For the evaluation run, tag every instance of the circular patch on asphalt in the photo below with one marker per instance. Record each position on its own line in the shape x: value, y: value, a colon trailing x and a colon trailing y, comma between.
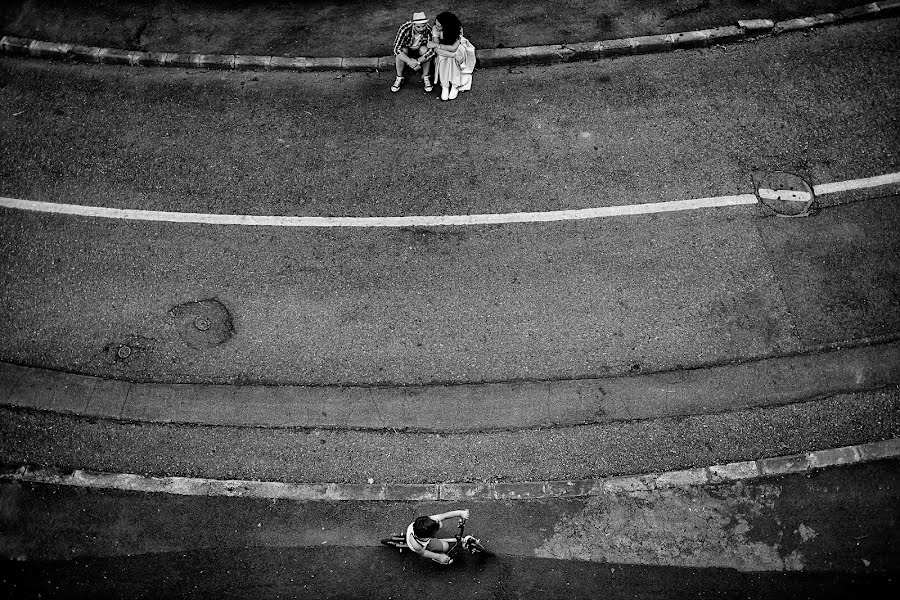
x: 203, y: 324
x: 788, y: 195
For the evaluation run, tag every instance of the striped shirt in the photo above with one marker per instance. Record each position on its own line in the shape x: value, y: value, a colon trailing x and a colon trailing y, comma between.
x: 406, y: 38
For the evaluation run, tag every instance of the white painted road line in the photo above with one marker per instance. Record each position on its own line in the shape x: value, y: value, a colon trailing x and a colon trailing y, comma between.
x: 788, y: 195
x: 855, y: 184
x: 413, y: 221
x: 423, y: 221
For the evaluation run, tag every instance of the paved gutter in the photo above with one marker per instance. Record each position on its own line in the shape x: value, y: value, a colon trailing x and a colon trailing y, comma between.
x: 462, y: 408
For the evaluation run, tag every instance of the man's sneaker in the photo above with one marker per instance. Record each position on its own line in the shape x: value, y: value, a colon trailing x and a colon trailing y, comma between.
x: 396, y: 86
x: 427, y: 81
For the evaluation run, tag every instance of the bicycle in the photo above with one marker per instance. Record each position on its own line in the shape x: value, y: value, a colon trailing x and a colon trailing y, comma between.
x: 462, y: 544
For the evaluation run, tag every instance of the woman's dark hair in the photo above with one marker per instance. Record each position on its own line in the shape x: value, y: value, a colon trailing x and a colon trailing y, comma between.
x: 451, y: 27
x: 425, y: 527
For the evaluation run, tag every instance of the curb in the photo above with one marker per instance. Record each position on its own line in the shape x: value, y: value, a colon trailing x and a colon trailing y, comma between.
x: 496, y: 57
x: 446, y: 492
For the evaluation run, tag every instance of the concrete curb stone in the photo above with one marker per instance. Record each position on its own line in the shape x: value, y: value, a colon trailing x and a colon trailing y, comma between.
x: 138, y: 58
x: 628, y: 484
x: 613, y: 48
x: 783, y: 465
x: 747, y: 469
x: 15, y: 45
x: 456, y: 492
x: 155, y: 59
x: 805, y: 23
x: 756, y: 26
x: 360, y: 63
x: 836, y: 456
x: 114, y: 56
x: 500, y: 57
x: 684, y: 478
x: 184, y: 60
x: 280, y: 63
x: 583, y: 50
x: 521, y: 491
x: 86, y: 53
x: 159, y: 59
x: 879, y: 450
x: 547, y: 54
x: 496, y: 57
x: 386, y: 63
x: 650, y: 44
x: 49, y: 49
x: 216, y: 61
x: 333, y: 63
x: 689, y: 39
x: 861, y: 11
x: 251, y: 62
x: 573, y: 489
x: 724, y: 35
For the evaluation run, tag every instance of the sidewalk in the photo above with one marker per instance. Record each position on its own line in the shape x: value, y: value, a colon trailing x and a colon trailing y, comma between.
x: 359, y: 35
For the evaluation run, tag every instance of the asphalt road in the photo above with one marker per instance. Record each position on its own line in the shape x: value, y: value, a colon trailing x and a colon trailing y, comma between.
x: 421, y: 305
x: 633, y: 129
x: 496, y: 303
x: 825, y: 535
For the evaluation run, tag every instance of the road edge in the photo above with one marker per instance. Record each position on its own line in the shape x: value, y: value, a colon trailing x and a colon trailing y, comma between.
x: 462, y: 491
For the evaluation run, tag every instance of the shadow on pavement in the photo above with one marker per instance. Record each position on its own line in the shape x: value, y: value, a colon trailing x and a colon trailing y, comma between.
x: 129, y: 545
x: 381, y: 573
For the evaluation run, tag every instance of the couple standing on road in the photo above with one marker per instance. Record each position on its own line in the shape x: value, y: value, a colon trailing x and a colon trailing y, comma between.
x: 419, y: 43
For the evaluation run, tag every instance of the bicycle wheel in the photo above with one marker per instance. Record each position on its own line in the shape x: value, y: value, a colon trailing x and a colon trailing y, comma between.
x: 394, y: 542
x: 477, y: 547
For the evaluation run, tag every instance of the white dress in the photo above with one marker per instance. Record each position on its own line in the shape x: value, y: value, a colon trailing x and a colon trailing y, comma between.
x: 457, y: 70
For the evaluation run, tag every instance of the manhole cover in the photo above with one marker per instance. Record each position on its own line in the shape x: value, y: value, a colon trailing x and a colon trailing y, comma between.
x: 788, y: 195
x: 124, y: 352
x: 203, y: 324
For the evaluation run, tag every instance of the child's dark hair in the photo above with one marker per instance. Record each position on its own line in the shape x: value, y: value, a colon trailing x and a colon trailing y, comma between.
x: 452, y: 28
x: 425, y: 527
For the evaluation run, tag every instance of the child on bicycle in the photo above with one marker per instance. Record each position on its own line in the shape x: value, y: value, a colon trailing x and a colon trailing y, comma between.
x: 420, y: 536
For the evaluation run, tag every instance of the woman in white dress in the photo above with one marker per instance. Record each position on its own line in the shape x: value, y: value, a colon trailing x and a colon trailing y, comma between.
x: 455, y: 59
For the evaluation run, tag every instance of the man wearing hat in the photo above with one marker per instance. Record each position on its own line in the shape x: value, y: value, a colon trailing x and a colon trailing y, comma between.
x: 411, y: 50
